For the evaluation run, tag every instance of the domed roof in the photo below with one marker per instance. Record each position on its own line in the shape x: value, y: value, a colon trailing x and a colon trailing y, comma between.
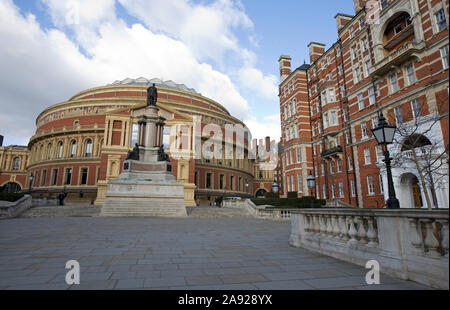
x: 157, y: 82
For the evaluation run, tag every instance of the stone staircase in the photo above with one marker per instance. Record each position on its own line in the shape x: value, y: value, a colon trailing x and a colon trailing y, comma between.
x: 216, y: 212
x: 94, y: 211
x: 63, y: 211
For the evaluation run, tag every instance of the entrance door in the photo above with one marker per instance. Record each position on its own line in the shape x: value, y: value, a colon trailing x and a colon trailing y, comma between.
x: 416, y: 194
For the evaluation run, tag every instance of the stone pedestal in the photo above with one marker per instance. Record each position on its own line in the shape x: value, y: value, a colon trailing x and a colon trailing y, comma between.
x: 146, y: 187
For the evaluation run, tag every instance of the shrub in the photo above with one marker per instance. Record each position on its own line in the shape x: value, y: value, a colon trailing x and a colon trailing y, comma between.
x: 303, y: 202
x: 271, y: 195
x: 292, y: 195
x: 11, y: 196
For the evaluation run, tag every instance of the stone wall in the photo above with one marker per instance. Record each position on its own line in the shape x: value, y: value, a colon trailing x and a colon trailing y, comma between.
x: 13, y: 209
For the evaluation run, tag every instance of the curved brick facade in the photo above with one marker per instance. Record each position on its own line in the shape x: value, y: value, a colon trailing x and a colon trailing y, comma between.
x: 80, y: 144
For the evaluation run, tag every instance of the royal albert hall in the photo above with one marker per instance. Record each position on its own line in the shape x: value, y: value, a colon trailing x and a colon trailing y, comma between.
x: 80, y: 144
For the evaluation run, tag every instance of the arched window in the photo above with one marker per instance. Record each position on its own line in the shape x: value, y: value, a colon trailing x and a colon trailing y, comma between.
x: 415, y: 141
x: 49, y: 151
x: 73, y: 148
x: 88, y: 148
x: 16, y: 163
x: 60, y: 149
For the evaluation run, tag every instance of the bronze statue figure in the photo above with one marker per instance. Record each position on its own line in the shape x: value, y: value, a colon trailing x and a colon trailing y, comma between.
x: 134, y: 154
x: 162, y: 156
x: 152, y: 95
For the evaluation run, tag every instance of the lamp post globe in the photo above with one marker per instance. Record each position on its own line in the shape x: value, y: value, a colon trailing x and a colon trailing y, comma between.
x: 384, y: 134
x: 275, y: 187
x: 310, y: 180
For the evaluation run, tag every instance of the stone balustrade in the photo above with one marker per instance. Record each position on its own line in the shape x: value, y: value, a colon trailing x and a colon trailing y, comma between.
x: 409, y: 244
x: 262, y: 212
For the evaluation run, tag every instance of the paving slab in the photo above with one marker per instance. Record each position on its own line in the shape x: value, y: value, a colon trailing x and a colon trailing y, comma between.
x: 182, y: 254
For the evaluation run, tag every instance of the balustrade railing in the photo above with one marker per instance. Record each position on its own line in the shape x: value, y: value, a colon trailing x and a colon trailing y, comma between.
x: 412, y: 244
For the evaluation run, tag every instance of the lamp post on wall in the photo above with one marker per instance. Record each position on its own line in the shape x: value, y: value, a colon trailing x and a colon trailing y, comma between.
x: 384, y: 134
x: 31, y: 178
x: 310, y: 181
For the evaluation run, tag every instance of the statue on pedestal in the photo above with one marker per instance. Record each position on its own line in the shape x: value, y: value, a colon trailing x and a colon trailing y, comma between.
x: 134, y: 154
x: 152, y: 95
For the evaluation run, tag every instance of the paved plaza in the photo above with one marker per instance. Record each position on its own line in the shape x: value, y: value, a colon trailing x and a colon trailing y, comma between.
x: 179, y: 254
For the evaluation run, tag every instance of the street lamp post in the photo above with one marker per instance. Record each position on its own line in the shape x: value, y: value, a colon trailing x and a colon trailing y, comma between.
x: 384, y: 134
x: 311, y: 180
x: 30, y: 178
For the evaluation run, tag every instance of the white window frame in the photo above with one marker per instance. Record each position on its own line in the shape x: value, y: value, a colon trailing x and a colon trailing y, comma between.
x: 367, y: 159
x: 441, y: 13
x: 393, y: 81
x: 299, y: 183
x: 364, y: 133
x: 398, y: 115
x: 410, y: 74
x: 332, y: 95
x: 360, y: 101
x: 334, y: 120
x: 367, y: 66
x: 372, y: 97
x: 415, y: 106
x: 370, y: 185
x: 445, y: 57
x: 380, y: 179
x: 341, y: 189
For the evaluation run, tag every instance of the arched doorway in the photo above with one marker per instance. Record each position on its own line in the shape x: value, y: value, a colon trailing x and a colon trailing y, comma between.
x: 10, y: 187
x: 260, y: 193
x: 410, y: 191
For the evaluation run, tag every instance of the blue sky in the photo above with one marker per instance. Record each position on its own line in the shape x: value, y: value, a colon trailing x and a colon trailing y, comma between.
x: 226, y: 49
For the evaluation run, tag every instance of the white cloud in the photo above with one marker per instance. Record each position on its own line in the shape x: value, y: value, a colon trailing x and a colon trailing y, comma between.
x: 41, y: 68
x: 206, y: 29
x: 264, y: 86
x: 268, y: 127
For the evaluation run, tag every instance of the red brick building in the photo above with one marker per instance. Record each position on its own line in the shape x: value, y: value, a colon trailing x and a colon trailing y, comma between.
x: 391, y: 60
x: 13, y: 167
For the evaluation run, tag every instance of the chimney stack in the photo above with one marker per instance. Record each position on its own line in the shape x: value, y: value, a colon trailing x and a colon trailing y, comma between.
x: 342, y: 20
x: 315, y: 51
x: 285, y: 67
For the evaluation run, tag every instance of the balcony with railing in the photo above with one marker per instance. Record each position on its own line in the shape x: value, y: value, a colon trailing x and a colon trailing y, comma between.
x: 399, y: 44
x: 397, y: 57
x: 332, y: 152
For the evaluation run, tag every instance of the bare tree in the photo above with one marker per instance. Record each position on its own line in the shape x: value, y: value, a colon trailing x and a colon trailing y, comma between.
x: 422, y: 144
